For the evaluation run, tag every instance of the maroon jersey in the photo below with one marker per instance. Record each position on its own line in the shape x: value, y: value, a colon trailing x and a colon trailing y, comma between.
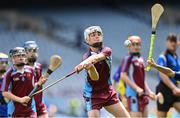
x: 40, y: 105
x: 103, y: 68
x: 21, y: 85
x: 100, y: 93
x: 134, y: 67
x: 38, y: 71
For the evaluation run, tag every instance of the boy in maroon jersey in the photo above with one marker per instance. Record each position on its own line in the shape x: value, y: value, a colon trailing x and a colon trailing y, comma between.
x: 31, y: 49
x: 98, y: 91
x: 133, y: 73
x: 21, y: 80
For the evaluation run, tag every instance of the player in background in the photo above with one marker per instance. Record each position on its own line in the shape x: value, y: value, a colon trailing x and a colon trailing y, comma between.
x: 168, y: 86
x: 21, y: 80
x: 98, y: 90
x: 3, y: 69
x: 31, y: 49
x: 133, y: 73
x: 119, y: 85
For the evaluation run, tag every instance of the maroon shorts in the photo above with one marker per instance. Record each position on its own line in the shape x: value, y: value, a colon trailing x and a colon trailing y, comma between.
x: 101, y: 98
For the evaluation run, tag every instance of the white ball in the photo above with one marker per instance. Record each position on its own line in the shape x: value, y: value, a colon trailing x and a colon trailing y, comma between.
x: 127, y: 43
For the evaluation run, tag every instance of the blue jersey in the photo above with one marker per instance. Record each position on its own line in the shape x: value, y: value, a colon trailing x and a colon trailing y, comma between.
x: 3, y: 105
x: 168, y: 60
x: 116, y: 76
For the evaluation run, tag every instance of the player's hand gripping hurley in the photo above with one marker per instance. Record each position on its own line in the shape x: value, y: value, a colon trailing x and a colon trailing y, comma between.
x: 55, y: 62
x: 156, y: 12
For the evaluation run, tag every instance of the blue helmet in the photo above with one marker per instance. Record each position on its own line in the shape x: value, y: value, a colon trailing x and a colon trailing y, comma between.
x: 30, y: 45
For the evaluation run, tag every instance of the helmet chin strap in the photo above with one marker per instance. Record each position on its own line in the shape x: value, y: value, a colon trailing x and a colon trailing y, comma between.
x: 2, y: 71
x: 20, y: 64
x: 32, y: 60
x: 136, y: 54
x: 96, y: 45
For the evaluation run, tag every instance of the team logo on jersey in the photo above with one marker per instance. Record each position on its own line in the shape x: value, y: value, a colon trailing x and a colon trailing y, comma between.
x: 16, y: 79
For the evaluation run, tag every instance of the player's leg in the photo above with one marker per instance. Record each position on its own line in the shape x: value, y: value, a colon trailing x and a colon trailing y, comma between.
x: 118, y: 110
x: 135, y: 114
x: 40, y: 106
x: 177, y: 106
x: 133, y: 106
x: 114, y: 106
x: 161, y: 114
x: 43, y: 116
x: 145, y: 112
x: 94, y: 113
x: 162, y: 109
x: 93, y: 106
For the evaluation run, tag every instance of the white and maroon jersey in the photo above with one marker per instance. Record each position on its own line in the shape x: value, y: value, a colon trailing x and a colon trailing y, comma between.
x: 22, y: 83
x: 134, y: 67
x: 40, y: 105
x: 103, y: 68
x: 38, y: 71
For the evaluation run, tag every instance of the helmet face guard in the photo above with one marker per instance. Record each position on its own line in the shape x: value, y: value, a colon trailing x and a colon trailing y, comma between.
x: 15, y: 52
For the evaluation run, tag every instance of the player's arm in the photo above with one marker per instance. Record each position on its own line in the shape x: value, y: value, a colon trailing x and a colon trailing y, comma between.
x: 88, y: 64
x: 125, y: 78
x: 166, y: 79
x: 168, y: 82
x: 7, y: 94
x: 162, y: 69
x: 149, y: 92
x: 93, y: 59
x: 15, y: 98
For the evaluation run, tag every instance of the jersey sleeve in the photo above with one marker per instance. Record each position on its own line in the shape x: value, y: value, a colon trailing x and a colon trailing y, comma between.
x: 125, y: 64
x: 162, y: 60
x: 106, y: 51
x: 85, y: 56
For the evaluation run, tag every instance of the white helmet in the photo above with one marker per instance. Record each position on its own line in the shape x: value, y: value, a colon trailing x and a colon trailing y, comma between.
x: 90, y: 30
